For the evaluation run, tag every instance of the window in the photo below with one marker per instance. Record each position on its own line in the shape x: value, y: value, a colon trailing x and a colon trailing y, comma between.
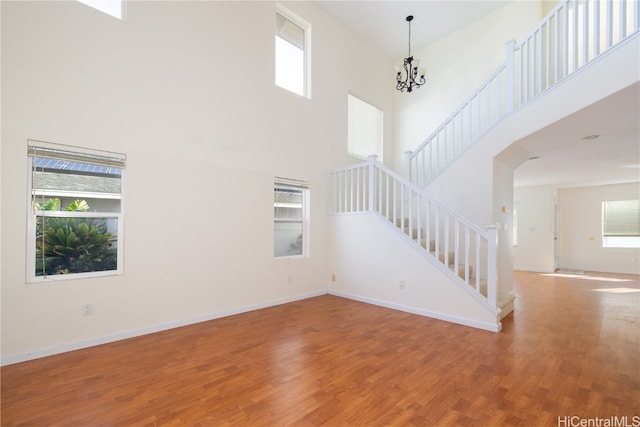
x: 75, y: 213
x: 621, y: 224
x: 365, y: 129
x: 290, y: 213
x: 114, y: 8
x: 291, y: 53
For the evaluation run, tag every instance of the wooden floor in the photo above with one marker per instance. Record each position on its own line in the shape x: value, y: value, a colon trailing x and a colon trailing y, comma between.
x: 571, y: 349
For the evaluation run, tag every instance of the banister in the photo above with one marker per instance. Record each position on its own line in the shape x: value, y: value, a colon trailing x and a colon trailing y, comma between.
x: 433, y: 228
x: 550, y: 52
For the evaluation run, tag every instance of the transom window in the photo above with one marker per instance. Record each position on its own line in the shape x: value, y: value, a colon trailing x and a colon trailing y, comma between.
x: 75, y: 213
x: 291, y: 38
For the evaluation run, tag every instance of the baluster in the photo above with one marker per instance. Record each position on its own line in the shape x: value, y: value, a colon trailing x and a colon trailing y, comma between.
x: 410, y: 209
x: 446, y: 239
x: 574, y: 47
x: 477, y: 248
x: 547, y: 54
x: 456, y: 247
x: 387, y: 196
x: 609, y: 24
x: 372, y: 171
x: 427, y: 224
x: 596, y: 28
x: 539, y: 62
x: 585, y: 32
x: 419, y: 220
x: 492, y: 274
x: 466, y: 254
x: 622, y: 12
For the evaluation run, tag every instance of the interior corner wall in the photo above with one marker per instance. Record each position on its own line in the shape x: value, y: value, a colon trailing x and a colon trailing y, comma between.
x: 188, y: 95
x: 456, y: 65
x: 580, y: 230
x: 535, y: 246
x: 370, y: 261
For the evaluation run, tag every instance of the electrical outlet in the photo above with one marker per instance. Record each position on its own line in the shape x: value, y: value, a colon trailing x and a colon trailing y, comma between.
x: 87, y: 309
x: 333, y: 277
x: 401, y: 283
x: 289, y: 279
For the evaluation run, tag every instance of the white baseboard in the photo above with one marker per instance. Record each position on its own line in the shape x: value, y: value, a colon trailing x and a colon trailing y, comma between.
x: 78, y: 345
x: 487, y: 326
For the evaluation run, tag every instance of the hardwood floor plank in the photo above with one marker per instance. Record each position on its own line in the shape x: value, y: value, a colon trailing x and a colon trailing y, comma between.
x: 571, y: 348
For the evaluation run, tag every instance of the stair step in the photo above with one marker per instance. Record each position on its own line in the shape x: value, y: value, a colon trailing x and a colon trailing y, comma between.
x: 413, y: 233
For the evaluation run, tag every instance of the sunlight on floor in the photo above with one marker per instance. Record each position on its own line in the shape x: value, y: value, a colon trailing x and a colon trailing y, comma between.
x: 618, y: 290
x: 586, y: 277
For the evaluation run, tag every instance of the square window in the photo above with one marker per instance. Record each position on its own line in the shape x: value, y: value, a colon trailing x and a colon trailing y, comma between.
x: 75, y: 217
x: 621, y: 224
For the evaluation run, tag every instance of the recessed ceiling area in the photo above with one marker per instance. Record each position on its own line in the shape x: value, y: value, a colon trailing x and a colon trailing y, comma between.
x: 597, y: 145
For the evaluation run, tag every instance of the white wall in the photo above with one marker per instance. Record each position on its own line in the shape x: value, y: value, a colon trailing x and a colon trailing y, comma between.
x: 580, y: 230
x: 186, y: 90
x: 456, y: 65
x: 368, y: 260
x: 534, y: 251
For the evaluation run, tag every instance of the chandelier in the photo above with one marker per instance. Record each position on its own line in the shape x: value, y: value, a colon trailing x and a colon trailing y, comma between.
x: 409, y: 77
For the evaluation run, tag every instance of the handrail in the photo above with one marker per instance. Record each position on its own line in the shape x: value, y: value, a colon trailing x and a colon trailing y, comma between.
x: 467, y: 124
x: 462, y: 250
x: 573, y: 34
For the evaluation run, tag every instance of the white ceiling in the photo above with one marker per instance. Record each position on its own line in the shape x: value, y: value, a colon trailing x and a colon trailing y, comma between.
x: 384, y: 25
x: 565, y: 159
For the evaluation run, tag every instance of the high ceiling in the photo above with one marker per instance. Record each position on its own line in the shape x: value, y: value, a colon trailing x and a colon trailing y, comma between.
x: 384, y: 25
x: 565, y: 159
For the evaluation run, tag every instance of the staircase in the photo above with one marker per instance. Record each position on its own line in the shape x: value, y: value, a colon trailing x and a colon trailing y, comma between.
x: 570, y: 37
x: 459, y: 249
x: 573, y: 35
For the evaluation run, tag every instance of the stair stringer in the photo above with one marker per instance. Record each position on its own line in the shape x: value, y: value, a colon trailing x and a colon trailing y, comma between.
x: 369, y: 260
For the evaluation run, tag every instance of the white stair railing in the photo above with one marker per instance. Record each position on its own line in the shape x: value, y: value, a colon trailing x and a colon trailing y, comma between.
x: 575, y: 33
x: 464, y: 251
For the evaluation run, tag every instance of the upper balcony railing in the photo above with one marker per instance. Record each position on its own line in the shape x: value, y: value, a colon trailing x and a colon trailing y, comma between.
x: 572, y: 35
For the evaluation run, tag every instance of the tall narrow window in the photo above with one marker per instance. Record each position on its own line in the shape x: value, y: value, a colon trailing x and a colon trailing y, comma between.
x: 365, y: 128
x: 621, y: 224
x: 75, y: 216
x: 290, y: 213
x: 291, y: 54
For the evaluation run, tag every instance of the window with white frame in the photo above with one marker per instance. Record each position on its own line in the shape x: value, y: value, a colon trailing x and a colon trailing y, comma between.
x: 621, y: 224
x: 291, y: 218
x: 365, y: 124
x: 75, y: 213
x: 114, y: 8
x: 292, y: 53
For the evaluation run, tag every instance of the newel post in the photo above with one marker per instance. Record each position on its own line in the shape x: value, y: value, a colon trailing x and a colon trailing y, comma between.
x: 510, y: 48
x: 372, y: 181
x: 407, y: 165
x: 492, y: 264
